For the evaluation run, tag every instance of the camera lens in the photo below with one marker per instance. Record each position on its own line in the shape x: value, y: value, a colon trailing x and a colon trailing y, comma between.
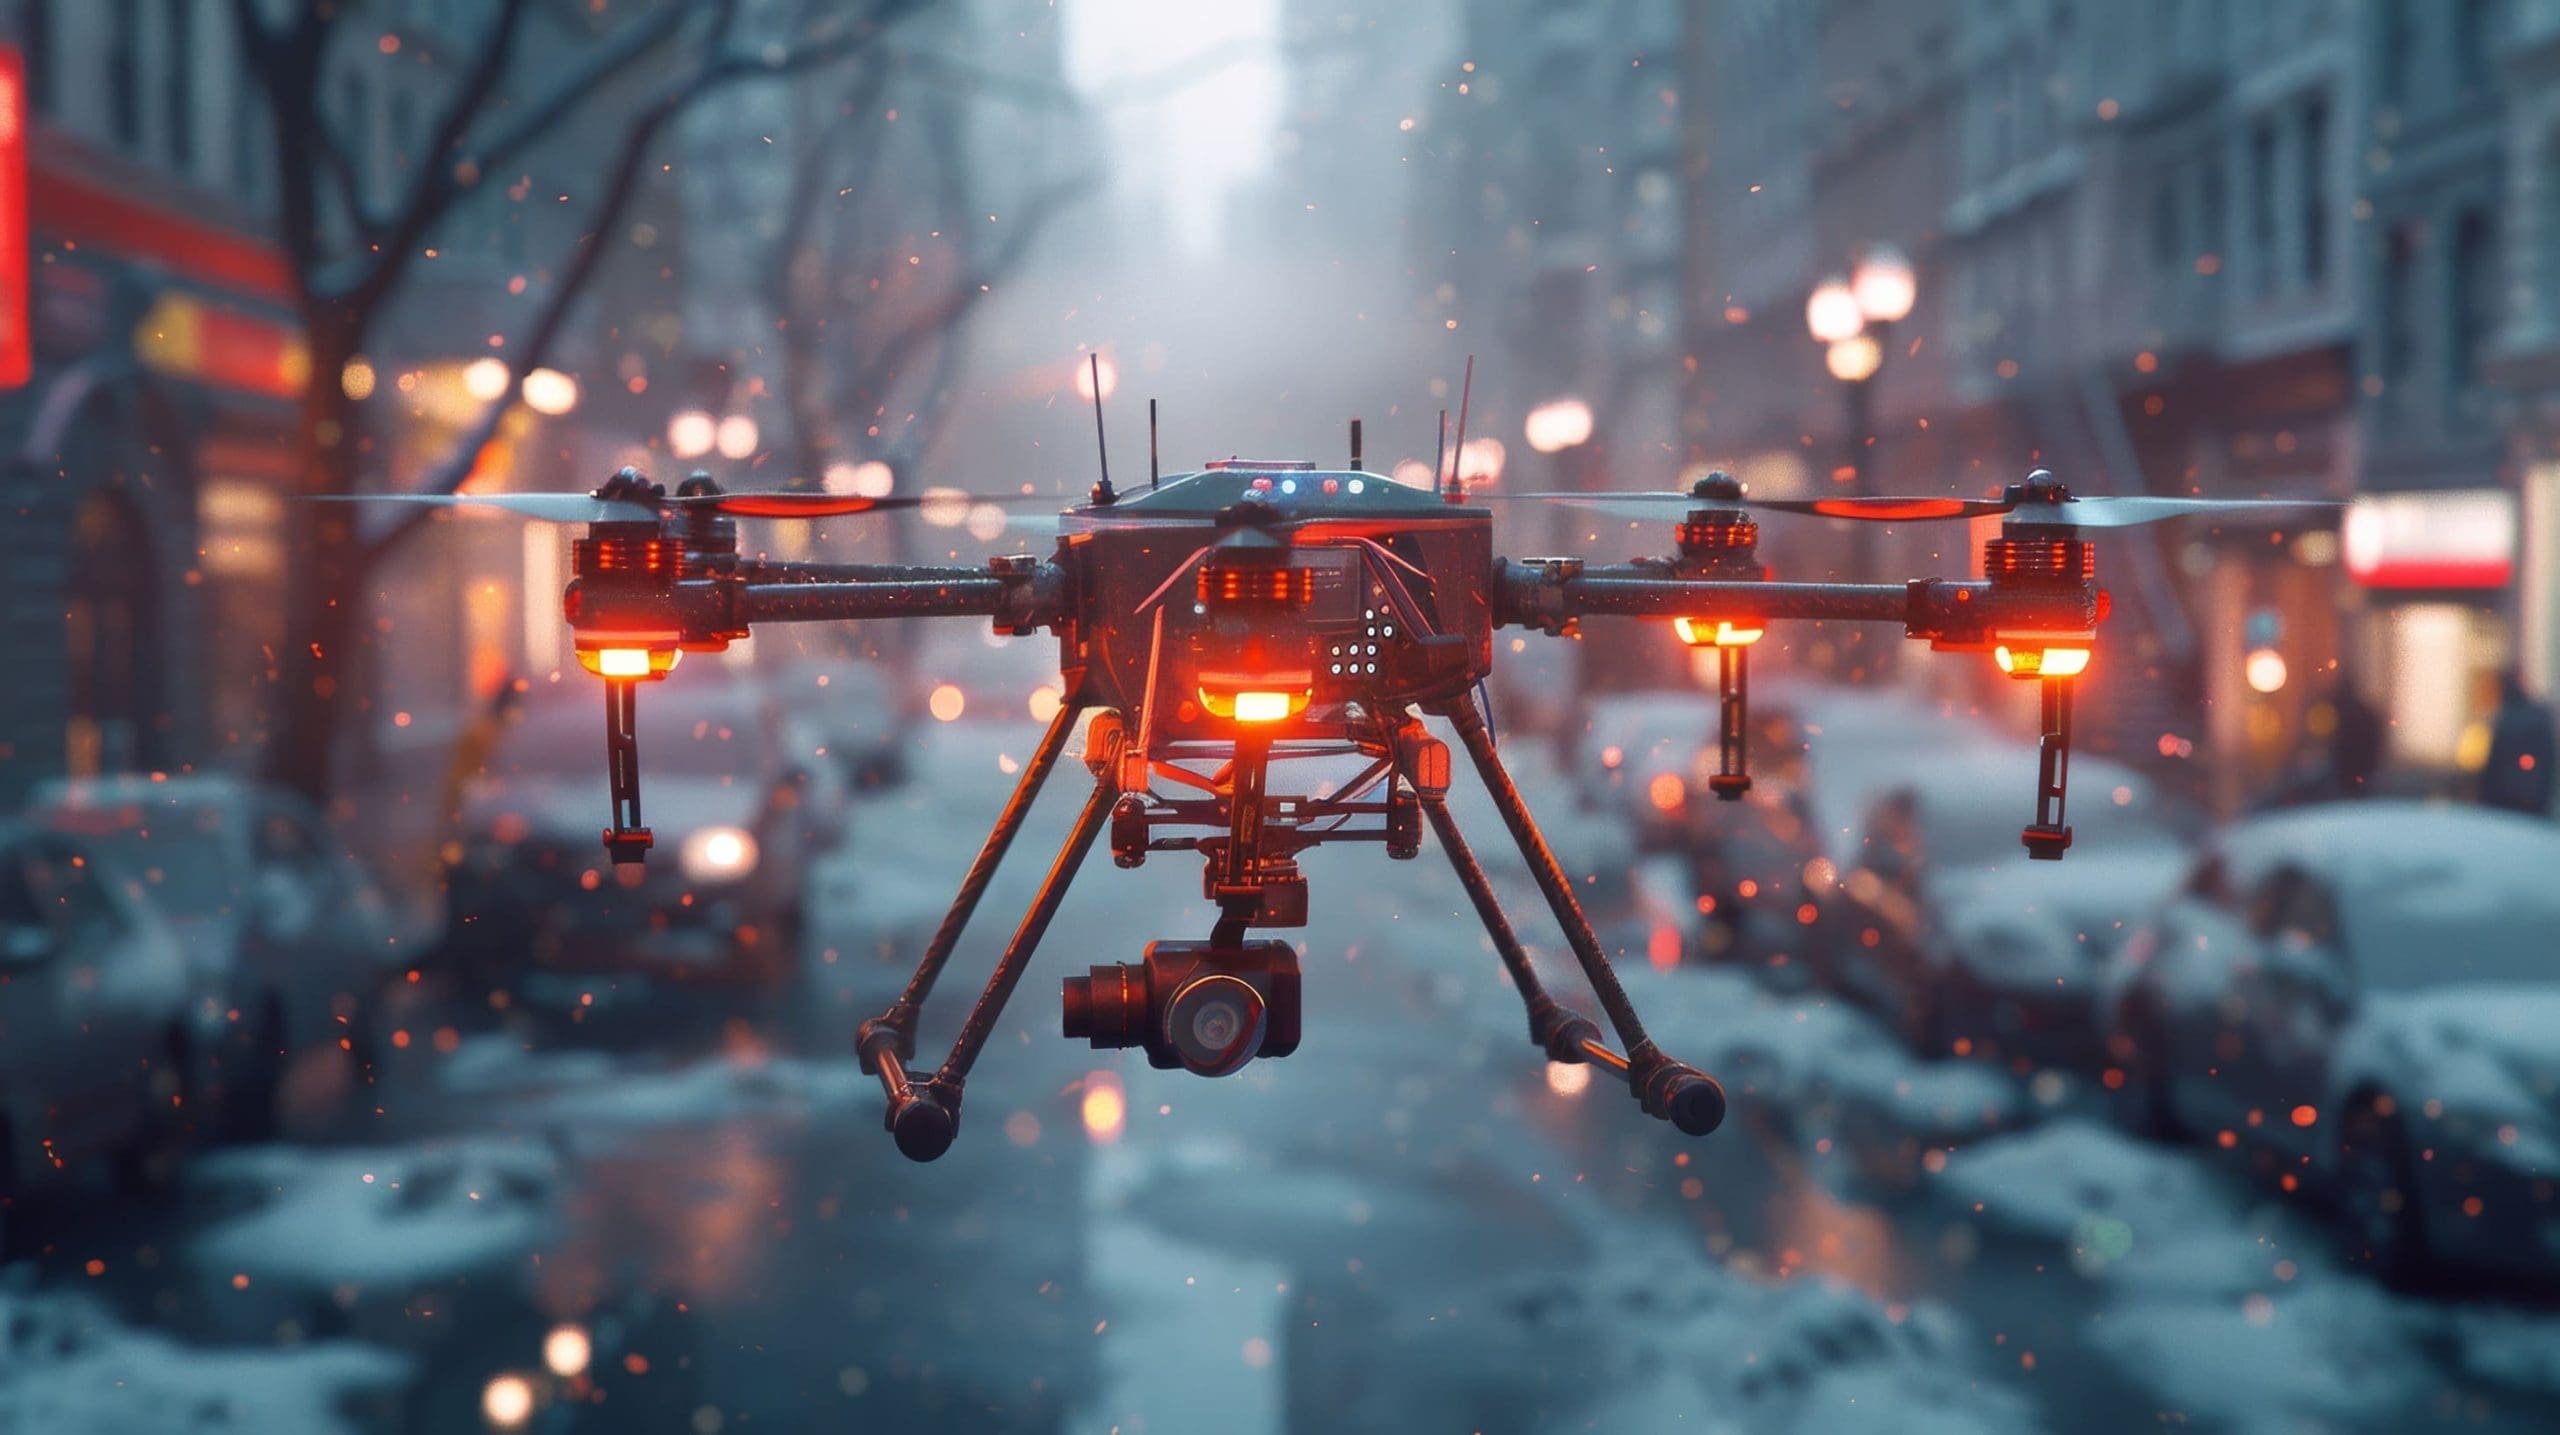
x: 1215, y: 1024
x: 1106, y: 1008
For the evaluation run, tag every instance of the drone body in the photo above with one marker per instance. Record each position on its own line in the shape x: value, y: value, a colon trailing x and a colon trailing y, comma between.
x: 1216, y: 627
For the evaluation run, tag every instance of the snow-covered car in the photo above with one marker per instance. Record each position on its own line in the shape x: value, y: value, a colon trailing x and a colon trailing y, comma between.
x: 1761, y: 882
x: 1978, y: 949
x: 101, y: 1021
x: 2365, y: 999
x: 1635, y: 759
x: 268, y: 903
x: 740, y: 806
x: 852, y: 705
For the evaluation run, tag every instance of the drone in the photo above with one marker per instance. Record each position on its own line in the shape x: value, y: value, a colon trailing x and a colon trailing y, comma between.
x: 1220, y: 627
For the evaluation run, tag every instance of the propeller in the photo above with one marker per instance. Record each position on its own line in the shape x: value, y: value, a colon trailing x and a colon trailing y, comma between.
x: 2039, y: 500
x: 1875, y: 509
x: 626, y: 505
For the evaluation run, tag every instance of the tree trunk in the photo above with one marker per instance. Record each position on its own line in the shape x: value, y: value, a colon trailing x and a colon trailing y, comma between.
x: 324, y: 603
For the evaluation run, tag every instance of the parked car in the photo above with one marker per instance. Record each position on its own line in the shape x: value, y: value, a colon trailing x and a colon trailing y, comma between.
x: 1635, y: 759
x: 268, y: 904
x: 740, y: 805
x: 100, y: 1021
x: 852, y: 704
x: 2365, y: 999
x: 1976, y: 949
x: 1761, y: 881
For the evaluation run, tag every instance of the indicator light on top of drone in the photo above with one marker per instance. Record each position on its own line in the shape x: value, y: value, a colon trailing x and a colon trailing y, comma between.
x: 1721, y: 633
x: 2041, y: 662
x: 640, y: 664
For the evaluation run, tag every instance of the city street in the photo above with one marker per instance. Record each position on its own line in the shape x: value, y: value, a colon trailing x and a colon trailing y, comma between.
x: 1404, y: 1225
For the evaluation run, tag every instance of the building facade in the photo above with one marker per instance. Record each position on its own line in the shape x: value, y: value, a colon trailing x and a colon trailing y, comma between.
x: 2222, y: 247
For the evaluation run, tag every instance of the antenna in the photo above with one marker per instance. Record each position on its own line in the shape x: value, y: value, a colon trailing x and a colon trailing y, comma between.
x: 1456, y: 492
x: 1440, y: 455
x: 1355, y: 445
x: 1154, y: 474
x: 1102, y: 492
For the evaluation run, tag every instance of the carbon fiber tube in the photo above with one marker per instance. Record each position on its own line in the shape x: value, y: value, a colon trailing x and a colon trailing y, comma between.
x: 981, y: 596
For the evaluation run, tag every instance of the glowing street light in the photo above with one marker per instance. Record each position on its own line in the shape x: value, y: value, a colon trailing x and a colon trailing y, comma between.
x: 550, y: 392
x: 1884, y: 286
x: 1855, y: 359
x: 485, y: 379
x: 873, y: 479
x: 691, y: 433
x: 1557, y: 425
x: 737, y: 436
x: 1085, y: 371
x: 1831, y: 313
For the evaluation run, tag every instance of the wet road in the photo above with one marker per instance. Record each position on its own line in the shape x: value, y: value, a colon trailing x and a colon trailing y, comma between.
x: 1405, y: 1225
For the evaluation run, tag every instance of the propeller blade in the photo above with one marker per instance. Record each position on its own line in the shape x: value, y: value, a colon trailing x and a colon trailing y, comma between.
x: 804, y: 504
x: 1887, y: 508
x: 2138, y: 509
x: 1871, y: 508
x: 548, y: 507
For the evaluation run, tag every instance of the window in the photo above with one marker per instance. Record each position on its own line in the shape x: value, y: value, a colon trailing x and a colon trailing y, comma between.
x: 248, y: 140
x: 2473, y: 34
x: 2315, y: 192
x: 2393, y: 44
x: 2212, y: 238
x: 180, y: 30
x: 2265, y: 261
x: 124, y: 71
x: 35, y: 40
x: 2475, y: 294
x: 2398, y: 344
x: 2164, y: 225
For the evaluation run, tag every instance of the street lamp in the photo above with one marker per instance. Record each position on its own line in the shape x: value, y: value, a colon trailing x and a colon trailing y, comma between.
x: 1884, y: 285
x: 691, y: 433
x: 1851, y: 317
x: 1832, y: 313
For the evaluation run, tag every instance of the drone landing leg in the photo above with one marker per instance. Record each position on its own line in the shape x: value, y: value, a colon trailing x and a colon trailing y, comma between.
x: 1559, y: 1029
x: 924, y: 1117
x: 1670, y: 1090
x: 886, y: 1042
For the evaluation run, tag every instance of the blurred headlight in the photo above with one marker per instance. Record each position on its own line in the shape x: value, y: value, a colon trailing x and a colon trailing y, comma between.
x: 718, y: 854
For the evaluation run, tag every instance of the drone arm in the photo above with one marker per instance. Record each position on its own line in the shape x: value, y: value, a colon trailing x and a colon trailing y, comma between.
x: 759, y: 571
x: 1670, y: 1090
x: 885, y: 1042
x: 976, y: 596
x: 1549, y: 593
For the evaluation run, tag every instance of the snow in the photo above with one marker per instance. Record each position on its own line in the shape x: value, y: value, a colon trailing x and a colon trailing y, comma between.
x: 371, y: 1219
x: 2429, y: 893
x: 2231, y: 1310
x: 1703, y: 1348
x: 720, y: 1091
x: 1817, y: 1062
x: 2489, y: 1053
x: 68, y: 1365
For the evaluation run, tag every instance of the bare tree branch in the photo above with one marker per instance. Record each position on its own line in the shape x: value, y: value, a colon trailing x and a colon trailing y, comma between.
x: 621, y: 184
x: 436, y: 185
x: 789, y: 268
x: 901, y: 347
x: 342, y: 177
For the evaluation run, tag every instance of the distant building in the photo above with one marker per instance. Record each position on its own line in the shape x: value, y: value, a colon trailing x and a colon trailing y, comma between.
x: 147, y: 455
x: 2227, y: 247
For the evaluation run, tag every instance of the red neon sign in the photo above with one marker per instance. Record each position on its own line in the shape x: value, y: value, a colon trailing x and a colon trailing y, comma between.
x: 17, y: 345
